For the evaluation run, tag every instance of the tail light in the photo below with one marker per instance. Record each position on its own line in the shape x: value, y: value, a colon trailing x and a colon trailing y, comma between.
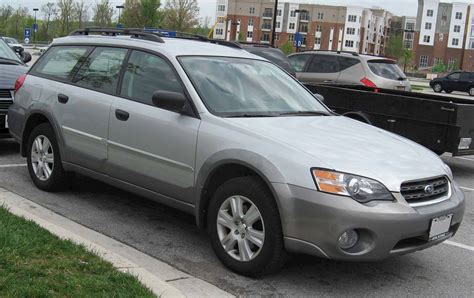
x: 368, y: 83
x: 19, y: 82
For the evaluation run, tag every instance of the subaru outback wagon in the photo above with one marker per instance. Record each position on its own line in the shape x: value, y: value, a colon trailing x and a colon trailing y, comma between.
x: 233, y: 139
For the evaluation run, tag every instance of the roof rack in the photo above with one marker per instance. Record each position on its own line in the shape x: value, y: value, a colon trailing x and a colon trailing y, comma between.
x: 152, y: 35
x: 133, y: 32
x: 256, y: 44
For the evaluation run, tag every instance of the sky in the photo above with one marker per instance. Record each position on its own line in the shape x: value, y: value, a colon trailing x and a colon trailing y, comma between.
x: 208, y: 7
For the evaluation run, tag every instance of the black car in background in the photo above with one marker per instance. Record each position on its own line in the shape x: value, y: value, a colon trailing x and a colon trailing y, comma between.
x: 456, y: 81
x: 270, y: 53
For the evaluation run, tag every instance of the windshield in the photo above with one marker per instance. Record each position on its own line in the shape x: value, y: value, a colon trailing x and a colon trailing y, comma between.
x: 7, y: 52
x: 10, y: 40
x: 233, y: 87
x: 387, y: 69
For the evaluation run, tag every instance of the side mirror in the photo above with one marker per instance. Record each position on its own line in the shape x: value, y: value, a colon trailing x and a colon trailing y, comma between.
x: 174, y: 101
x: 25, y: 57
x: 319, y: 96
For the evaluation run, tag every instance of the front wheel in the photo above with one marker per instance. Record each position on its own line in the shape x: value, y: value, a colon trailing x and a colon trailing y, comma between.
x: 245, y: 228
x: 471, y: 91
x: 43, y: 159
x: 437, y: 88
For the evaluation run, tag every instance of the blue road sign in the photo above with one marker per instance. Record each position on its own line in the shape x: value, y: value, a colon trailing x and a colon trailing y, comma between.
x: 27, y: 32
x: 298, y: 40
x: 119, y: 26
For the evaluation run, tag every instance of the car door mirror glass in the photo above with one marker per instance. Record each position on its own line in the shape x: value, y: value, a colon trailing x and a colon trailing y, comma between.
x: 174, y: 101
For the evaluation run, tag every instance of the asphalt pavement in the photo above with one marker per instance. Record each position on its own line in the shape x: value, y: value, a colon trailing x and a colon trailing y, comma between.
x: 171, y: 236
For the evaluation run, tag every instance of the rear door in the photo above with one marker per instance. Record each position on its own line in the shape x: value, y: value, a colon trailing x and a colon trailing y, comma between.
x: 321, y: 69
x: 83, y: 107
x: 465, y: 81
x: 351, y: 71
x: 151, y: 147
x: 452, y: 82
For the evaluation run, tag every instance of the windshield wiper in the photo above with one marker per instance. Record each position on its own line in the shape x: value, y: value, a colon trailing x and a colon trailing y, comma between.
x: 3, y: 59
x: 251, y: 115
x: 305, y: 113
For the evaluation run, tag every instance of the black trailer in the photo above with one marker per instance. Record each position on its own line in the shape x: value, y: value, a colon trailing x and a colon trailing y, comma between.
x: 442, y: 124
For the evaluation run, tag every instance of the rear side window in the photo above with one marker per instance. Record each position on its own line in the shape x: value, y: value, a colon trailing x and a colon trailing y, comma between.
x: 60, y: 61
x: 323, y: 64
x: 101, y: 70
x: 465, y: 76
x: 454, y: 76
x: 386, y: 69
x: 345, y: 63
x: 145, y: 74
x: 299, y: 62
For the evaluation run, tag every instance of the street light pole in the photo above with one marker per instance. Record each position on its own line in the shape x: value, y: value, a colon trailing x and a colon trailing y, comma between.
x: 35, y: 26
x: 275, y: 10
x: 119, y: 7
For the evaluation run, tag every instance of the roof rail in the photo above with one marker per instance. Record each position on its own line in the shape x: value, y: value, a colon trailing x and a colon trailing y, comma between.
x: 133, y: 32
x: 185, y: 35
x: 256, y: 44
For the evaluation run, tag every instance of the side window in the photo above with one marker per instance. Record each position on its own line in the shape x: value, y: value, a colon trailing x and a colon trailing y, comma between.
x: 299, y: 62
x: 101, y: 69
x: 145, y: 74
x: 454, y: 76
x: 60, y: 61
x: 465, y: 76
x: 345, y: 63
x: 323, y: 64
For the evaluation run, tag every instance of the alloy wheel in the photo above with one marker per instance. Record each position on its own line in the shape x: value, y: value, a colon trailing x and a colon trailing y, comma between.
x: 240, y: 228
x: 437, y: 88
x: 42, y: 157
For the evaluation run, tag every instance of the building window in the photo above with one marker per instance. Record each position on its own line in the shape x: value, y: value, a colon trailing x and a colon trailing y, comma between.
x: 221, y: 7
x: 221, y: 20
x: 320, y: 15
x: 304, y: 28
x: 352, y: 18
x: 277, y: 37
x: 292, y: 14
x: 292, y: 26
x: 428, y: 26
x: 219, y: 31
x: 267, y: 25
x: 457, y: 28
x: 250, y: 34
x: 252, y: 10
x: 268, y: 13
x: 318, y: 28
x: 410, y: 26
x: 458, y: 15
x: 278, y: 24
x: 438, y: 61
x: 279, y: 12
x: 426, y: 38
x: 429, y: 13
x: 266, y: 37
x: 349, y: 44
x: 455, y: 42
x: 317, y: 40
x: 451, y: 64
x: 350, y: 31
x: 250, y: 22
x: 291, y: 38
x: 423, y: 61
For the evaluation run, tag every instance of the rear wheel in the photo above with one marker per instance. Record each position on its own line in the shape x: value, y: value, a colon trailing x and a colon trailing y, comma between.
x: 244, y: 227
x: 437, y: 88
x: 471, y: 91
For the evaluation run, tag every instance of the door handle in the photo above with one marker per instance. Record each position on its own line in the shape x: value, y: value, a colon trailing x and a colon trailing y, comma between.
x: 121, y: 115
x: 63, y: 98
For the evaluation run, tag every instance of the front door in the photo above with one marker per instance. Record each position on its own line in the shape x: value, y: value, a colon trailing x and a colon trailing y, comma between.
x: 151, y: 147
x: 321, y: 69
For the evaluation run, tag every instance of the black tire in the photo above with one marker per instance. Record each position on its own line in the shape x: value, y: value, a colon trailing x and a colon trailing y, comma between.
x: 272, y: 254
x: 58, y: 179
x: 437, y: 87
x: 471, y: 91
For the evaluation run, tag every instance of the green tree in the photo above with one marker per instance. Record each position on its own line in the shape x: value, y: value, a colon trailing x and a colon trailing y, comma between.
x: 406, y: 58
x: 103, y: 13
x: 49, y: 11
x: 181, y: 15
x: 65, y: 15
x: 395, y: 47
x: 287, y: 48
x: 81, y: 13
x: 439, y: 68
x: 150, y: 13
x: 132, y: 14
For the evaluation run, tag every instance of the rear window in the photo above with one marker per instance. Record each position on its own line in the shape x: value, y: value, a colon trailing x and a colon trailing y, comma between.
x: 386, y: 69
x: 323, y: 64
x: 60, y: 61
x: 299, y: 61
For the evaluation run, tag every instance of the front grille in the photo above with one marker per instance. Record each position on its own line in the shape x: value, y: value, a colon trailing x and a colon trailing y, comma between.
x: 425, y: 192
x: 5, y: 93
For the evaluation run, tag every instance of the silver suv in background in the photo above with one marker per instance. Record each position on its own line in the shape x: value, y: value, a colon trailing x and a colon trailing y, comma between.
x: 233, y: 139
x: 349, y: 68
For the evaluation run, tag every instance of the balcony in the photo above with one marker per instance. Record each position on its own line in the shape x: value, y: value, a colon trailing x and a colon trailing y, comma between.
x: 267, y: 26
x: 267, y: 15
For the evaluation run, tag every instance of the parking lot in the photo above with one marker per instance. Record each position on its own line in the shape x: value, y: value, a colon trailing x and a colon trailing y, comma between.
x: 171, y: 236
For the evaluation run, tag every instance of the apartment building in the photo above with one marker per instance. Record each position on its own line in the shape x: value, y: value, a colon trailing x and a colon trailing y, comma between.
x: 322, y: 27
x: 444, y: 35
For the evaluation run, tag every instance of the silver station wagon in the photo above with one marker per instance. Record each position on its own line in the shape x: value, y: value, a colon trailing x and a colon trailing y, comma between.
x: 206, y: 127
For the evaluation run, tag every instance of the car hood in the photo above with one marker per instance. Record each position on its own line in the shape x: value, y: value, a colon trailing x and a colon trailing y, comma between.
x: 9, y: 74
x: 346, y: 145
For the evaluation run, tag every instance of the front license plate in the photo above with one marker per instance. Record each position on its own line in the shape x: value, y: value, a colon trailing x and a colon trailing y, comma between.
x: 401, y: 88
x: 440, y: 226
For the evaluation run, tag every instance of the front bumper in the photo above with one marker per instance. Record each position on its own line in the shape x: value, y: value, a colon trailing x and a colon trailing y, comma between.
x: 313, y: 221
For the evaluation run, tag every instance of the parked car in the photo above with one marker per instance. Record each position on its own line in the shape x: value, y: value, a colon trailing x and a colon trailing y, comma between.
x: 11, y: 67
x: 348, y: 68
x: 262, y: 163
x: 272, y: 54
x: 456, y: 81
x: 14, y: 44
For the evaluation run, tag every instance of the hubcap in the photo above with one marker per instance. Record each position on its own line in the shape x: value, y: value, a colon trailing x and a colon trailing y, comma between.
x: 437, y: 87
x: 42, y: 158
x: 240, y: 228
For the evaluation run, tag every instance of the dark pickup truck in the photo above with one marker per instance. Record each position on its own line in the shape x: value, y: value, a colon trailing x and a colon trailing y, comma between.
x: 442, y: 124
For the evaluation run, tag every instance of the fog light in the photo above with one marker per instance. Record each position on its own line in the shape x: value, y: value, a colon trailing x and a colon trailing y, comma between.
x: 348, y: 239
x: 465, y: 143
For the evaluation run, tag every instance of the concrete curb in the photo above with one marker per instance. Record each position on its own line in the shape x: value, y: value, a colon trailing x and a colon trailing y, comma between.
x: 161, y: 278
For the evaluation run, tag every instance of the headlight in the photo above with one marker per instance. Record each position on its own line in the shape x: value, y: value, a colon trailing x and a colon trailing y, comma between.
x: 448, y: 171
x: 359, y: 188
